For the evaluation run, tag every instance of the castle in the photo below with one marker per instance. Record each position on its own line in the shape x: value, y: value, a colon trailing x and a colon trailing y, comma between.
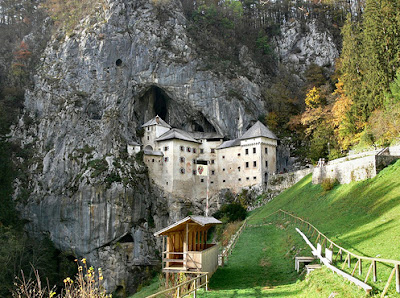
x: 173, y: 157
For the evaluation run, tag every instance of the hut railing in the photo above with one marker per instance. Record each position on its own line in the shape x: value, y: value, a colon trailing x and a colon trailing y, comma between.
x: 186, y: 287
x: 328, y: 244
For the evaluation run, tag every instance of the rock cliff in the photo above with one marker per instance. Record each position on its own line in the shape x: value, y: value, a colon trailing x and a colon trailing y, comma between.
x: 93, y: 89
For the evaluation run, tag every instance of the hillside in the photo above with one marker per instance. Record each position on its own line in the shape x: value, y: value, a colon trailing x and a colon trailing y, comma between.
x: 361, y: 217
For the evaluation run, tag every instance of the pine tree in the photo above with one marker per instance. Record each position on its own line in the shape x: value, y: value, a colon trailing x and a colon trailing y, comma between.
x: 381, y: 50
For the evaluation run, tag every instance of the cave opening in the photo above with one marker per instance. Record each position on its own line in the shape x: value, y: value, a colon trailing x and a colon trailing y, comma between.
x: 126, y: 239
x: 156, y: 101
x: 160, y: 103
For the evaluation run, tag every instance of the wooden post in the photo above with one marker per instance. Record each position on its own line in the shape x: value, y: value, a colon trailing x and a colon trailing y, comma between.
x: 345, y: 260
x: 355, y: 267
x: 360, y: 267
x: 349, y: 261
x: 397, y: 278
x: 206, y: 282
x: 369, y: 272
x: 167, y: 280
x: 388, y: 283
x: 198, y: 240
x: 185, y: 246
x: 163, y: 248
x: 374, y: 276
x: 222, y: 260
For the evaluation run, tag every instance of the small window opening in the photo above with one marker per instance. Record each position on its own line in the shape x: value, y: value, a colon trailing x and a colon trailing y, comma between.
x: 118, y: 62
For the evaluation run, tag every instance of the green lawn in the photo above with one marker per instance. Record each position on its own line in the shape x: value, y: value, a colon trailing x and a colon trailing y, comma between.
x: 363, y: 217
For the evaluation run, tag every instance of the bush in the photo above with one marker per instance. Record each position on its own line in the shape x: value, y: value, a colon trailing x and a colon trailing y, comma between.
x: 231, y: 212
x: 329, y: 183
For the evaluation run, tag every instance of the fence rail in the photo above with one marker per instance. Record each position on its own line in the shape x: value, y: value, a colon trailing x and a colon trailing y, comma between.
x: 324, y: 241
x: 186, y: 287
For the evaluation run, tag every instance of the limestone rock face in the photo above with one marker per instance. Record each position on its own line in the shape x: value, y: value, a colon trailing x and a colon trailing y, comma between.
x: 92, y: 91
x: 301, y: 44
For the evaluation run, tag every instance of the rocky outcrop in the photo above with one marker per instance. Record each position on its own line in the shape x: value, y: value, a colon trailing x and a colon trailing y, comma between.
x: 304, y: 42
x: 92, y: 91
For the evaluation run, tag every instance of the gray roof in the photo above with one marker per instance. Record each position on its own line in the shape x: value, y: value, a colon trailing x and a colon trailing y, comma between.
x: 200, y: 220
x: 156, y: 121
x: 230, y: 143
x: 206, y: 135
x: 258, y: 130
x: 151, y: 152
x: 175, y: 133
x: 133, y: 143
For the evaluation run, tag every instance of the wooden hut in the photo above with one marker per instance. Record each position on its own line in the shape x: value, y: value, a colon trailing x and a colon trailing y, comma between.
x: 185, y: 246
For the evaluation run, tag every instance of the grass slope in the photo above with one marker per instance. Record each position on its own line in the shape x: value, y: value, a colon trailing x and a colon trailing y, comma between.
x: 363, y: 217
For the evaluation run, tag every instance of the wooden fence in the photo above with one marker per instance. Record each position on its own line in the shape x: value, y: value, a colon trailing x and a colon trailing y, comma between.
x: 186, y: 287
x: 228, y: 250
x: 349, y: 256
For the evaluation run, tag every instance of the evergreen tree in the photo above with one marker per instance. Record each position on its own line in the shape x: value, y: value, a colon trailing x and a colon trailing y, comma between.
x: 381, y: 50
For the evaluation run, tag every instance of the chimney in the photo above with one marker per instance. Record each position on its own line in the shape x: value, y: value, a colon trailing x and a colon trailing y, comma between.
x: 157, y: 119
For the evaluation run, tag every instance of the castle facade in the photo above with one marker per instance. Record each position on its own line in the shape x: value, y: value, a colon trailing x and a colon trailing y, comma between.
x: 173, y: 157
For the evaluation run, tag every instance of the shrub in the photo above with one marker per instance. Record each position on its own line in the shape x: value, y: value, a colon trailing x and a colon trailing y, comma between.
x: 231, y: 212
x: 87, y: 283
x: 329, y: 183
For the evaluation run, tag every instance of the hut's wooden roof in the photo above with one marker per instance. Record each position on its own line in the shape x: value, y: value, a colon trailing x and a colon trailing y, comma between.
x: 203, y: 221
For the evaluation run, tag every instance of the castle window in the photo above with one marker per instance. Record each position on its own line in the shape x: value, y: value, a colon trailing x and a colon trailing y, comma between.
x: 152, y: 160
x: 166, y: 148
x: 254, y: 177
x: 223, y: 156
x: 194, y: 150
x: 166, y: 183
x: 182, y: 148
x: 254, y: 150
x: 202, y: 180
x: 247, y: 151
x: 223, y: 170
x: 201, y: 150
x: 212, y: 161
x: 182, y: 170
x: 223, y: 181
x: 266, y: 150
x: 194, y: 172
x: 165, y: 159
x: 148, y: 138
x: 194, y: 161
x: 266, y: 163
x: 240, y: 179
x: 239, y: 169
x: 182, y: 159
x: 247, y: 164
x: 212, y: 150
x: 212, y: 172
x: 254, y: 163
x: 247, y: 178
x: 148, y: 128
x: 188, y: 149
x: 238, y: 154
x: 212, y: 182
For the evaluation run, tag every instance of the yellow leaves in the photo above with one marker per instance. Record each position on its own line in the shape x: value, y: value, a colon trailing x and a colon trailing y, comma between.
x: 272, y: 120
x: 313, y: 98
x: 342, y: 104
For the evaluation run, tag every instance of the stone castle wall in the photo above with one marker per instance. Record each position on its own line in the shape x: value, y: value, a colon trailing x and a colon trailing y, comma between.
x: 355, y: 168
